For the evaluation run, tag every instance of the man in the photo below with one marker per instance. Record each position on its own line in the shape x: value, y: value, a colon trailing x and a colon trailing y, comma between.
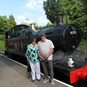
x: 45, y: 50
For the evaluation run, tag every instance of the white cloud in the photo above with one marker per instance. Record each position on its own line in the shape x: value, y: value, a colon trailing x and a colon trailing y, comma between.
x: 43, y: 20
x: 34, y: 4
x: 40, y: 1
x: 31, y: 21
x: 31, y: 4
x: 35, y: 13
x: 22, y: 19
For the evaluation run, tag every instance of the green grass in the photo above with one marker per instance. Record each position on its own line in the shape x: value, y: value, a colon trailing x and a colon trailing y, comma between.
x: 83, y: 46
x: 2, y: 46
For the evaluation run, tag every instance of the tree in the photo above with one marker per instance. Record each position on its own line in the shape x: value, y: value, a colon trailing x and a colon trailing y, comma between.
x: 51, y: 7
x: 84, y: 2
x: 4, y: 25
x: 74, y: 10
x: 71, y: 8
x: 11, y: 21
x: 82, y: 23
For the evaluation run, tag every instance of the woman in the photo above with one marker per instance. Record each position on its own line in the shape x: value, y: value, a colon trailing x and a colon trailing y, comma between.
x: 33, y: 60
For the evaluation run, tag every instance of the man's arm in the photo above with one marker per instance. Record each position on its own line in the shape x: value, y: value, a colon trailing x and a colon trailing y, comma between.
x: 49, y: 53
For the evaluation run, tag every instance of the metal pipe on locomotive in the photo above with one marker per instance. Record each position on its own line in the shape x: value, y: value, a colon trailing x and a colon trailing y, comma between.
x: 66, y: 37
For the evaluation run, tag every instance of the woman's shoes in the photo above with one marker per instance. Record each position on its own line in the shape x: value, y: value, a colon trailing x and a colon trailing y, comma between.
x: 38, y: 79
x: 33, y: 80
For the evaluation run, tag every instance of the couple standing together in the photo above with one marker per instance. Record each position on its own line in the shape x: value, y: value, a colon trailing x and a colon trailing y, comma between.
x: 40, y: 52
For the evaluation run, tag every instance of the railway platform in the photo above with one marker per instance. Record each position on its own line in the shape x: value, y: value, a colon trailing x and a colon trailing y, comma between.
x: 14, y: 74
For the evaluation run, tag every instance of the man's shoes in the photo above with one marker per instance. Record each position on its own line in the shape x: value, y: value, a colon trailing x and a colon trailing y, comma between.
x: 45, y: 80
x: 52, y: 82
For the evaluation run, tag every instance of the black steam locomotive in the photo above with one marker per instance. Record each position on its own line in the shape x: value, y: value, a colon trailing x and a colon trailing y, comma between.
x: 66, y: 37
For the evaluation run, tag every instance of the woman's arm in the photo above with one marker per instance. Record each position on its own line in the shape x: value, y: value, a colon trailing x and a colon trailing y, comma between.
x: 40, y: 55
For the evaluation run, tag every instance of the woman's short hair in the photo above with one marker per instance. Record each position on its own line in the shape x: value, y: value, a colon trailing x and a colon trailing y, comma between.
x: 34, y: 38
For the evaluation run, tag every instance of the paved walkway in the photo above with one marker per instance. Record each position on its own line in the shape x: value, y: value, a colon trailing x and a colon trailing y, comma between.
x: 11, y: 78
x: 13, y: 74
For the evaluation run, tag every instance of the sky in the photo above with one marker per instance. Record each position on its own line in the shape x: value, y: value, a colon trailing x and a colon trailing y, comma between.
x: 26, y: 11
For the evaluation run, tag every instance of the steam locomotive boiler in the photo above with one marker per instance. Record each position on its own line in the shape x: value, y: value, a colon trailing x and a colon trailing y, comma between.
x: 65, y: 37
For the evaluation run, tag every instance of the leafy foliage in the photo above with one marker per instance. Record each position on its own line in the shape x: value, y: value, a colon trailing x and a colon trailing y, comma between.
x: 3, y: 24
x: 82, y: 22
x: 84, y: 2
x: 74, y: 10
x: 11, y: 21
x: 6, y: 23
x: 51, y: 7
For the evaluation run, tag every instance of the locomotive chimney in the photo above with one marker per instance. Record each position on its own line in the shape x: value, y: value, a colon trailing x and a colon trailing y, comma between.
x: 59, y: 18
